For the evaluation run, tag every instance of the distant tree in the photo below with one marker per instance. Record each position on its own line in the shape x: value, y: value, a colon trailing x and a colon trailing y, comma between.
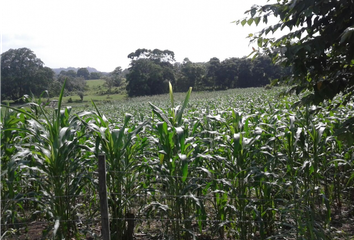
x: 230, y: 73
x: 213, y: 73
x: 227, y: 76
x: 95, y: 75
x: 54, y: 88
x: 69, y: 86
x: 245, y: 77
x: 22, y: 72
x: 83, y: 72
x: 114, y: 79
x: 109, y: 83
x: 79, y: 84
x: 192, y: 75
x: 117, y: 76
x: 42, y: 76
x: 142, y: 78
x: 264, y: 71
x: 156, y: 54
x: 81, y: 95
x: 149, y: 72
x: 319, y: 46
x: 73, y: 85
x: 69, y: 73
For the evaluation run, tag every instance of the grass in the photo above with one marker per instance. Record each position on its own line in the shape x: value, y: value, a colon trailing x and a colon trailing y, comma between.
x: 95, y: 83
x: 87, y: 99
x: 95, y: 92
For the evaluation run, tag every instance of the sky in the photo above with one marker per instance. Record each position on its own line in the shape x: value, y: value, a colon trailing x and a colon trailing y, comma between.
x: 101, y: 34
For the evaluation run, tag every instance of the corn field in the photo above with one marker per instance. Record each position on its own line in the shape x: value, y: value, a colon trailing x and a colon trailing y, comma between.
x: 236, y: 164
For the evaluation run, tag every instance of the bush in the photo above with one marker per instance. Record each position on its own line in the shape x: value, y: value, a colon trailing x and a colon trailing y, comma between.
x: 81, y: 95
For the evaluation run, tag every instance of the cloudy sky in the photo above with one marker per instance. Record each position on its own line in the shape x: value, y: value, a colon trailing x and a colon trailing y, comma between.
x: 101, y: 34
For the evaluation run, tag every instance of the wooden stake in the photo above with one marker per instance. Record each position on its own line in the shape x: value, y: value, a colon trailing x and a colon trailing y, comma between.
x: 102, y: 191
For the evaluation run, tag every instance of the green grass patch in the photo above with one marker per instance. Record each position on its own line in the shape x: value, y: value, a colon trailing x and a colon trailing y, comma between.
x: 95, y: 87
x: 96, y: 91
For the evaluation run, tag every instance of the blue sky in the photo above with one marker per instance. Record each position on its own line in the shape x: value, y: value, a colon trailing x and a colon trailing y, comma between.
x: 101, y: 34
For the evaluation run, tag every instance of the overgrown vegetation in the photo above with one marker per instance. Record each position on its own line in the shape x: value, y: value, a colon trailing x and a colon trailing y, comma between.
x: 318, y: 46
x: 232, y: 164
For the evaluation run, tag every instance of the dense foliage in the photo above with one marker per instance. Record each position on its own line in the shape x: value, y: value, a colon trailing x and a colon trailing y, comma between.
x: 83, y: 72
x: 151, y: 71
x: 23, y: 73
x: 114, y: 79
x: 319, y: 46
x: 236, y: 164
x: 74, y: 85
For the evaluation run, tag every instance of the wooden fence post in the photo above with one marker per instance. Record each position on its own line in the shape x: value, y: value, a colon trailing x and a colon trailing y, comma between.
x: 102, y: 191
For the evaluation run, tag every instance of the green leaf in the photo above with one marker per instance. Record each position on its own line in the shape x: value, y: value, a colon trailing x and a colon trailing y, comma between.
x: 257, y: 20
x: 171, y: 94
x: 160, y: 114
x: 161, y: 157
x: 184, y: 166
x: 185, y: 103
x: 253, y: 11
x: 237, y: 144
x: 61, y: 98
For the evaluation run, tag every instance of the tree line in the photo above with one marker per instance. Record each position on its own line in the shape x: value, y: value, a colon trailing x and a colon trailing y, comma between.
x: 151, y: 70
x: 148, y: 74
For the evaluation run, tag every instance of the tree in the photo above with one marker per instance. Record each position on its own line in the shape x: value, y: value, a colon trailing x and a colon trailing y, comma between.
x: 79, y: 85
x: 114, y: 79
x: 117, y: 76
x: 145, y: 78
x: 213, y: 72
x: 22, y: 73
x: 264, y: 71
x: 95, y: 75
x: 245, y: 78
x: 83, y: 72
x: 44, y: 80
x: 156, y: 54
x: 69, y: 73
x: 76, y: 85
x: 54, y: 88
x: 319, y: 47
x: 192, y: 76
x: 150, y: 72
x: 228, y: 74
x: 81, y: 95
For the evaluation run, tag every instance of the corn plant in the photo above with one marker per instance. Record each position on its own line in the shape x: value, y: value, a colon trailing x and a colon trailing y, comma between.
x: 172, y: 163
x: 12, y: 134
x: 121, y: 145
x: 236, y: 164
x: 55, y: 144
